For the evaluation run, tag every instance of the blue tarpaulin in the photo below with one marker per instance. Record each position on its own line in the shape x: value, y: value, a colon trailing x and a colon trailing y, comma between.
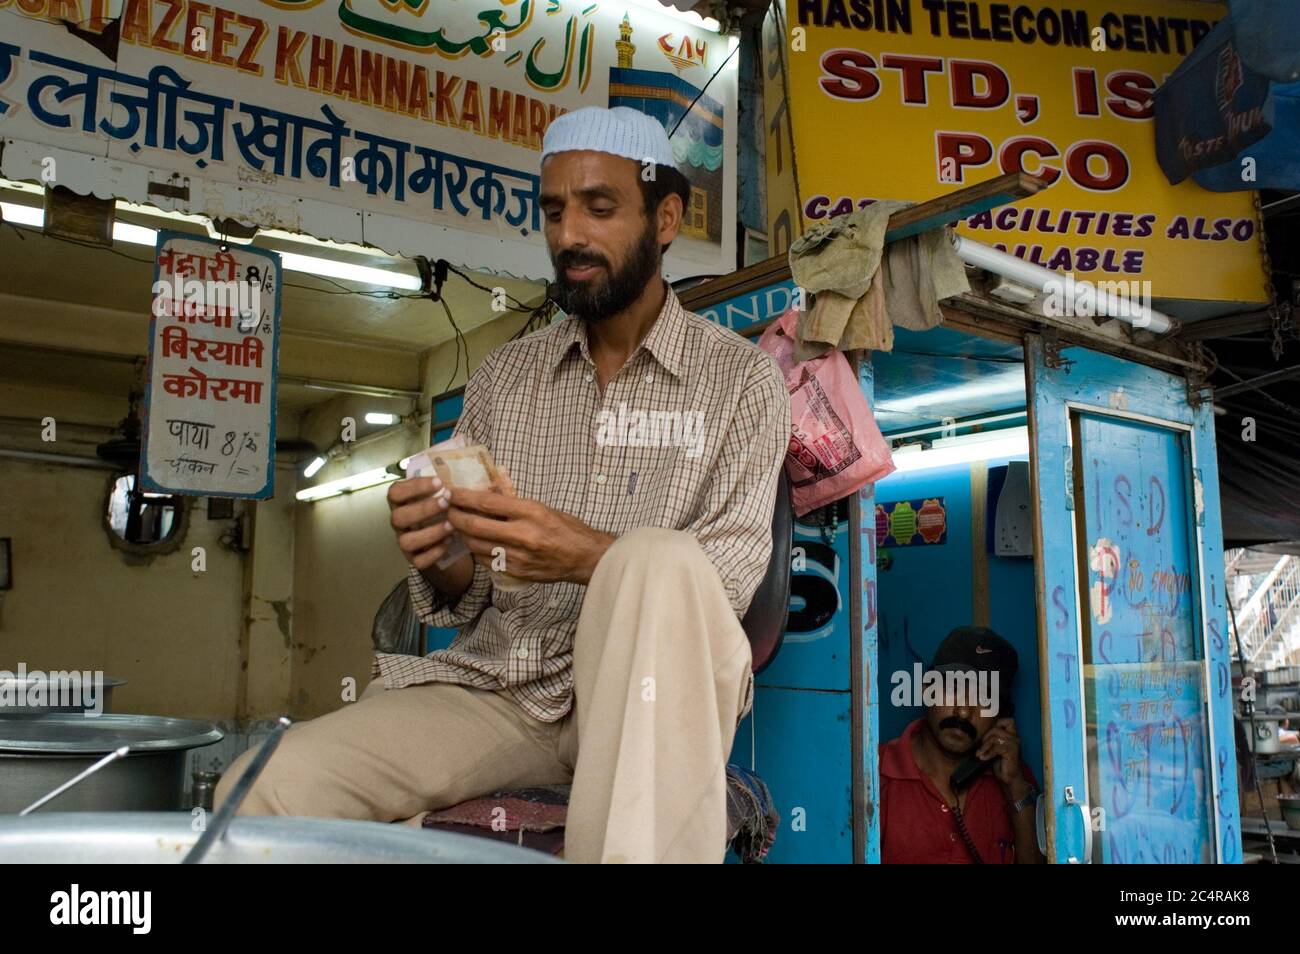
x: 1229, y: 116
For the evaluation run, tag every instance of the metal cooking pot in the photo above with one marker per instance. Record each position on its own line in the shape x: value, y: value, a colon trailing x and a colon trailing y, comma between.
x: 162, y: 838
x: 39, y: 753
x: 12, y: 687
x: 1265, y: 740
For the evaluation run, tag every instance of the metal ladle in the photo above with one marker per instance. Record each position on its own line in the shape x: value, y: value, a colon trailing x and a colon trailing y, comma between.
x: 226, y: 814
x: 110, y: 757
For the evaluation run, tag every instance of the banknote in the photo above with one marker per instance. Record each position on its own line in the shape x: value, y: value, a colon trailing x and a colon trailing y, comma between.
x: 470, y: 466
x: 421, y: 465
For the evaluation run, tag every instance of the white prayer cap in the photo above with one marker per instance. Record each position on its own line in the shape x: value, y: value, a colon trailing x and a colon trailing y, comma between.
x: 621, y: 131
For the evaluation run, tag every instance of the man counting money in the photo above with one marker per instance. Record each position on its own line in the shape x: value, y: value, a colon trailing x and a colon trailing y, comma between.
x: 621, y: 665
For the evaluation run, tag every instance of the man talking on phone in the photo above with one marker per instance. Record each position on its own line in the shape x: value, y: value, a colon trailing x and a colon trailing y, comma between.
x: 620, y: 665
x: 953, y: 789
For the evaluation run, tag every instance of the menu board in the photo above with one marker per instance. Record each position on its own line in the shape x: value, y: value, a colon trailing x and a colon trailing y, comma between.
x: 213, y: 352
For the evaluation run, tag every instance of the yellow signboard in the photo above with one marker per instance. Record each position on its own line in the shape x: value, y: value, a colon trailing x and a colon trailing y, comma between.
x: 909, y: 99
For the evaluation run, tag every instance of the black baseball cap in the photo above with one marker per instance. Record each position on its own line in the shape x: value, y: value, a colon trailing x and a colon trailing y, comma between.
x: 978, y: 649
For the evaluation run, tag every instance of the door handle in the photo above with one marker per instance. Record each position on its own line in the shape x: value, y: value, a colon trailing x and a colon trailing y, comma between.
x: 1086, y: 818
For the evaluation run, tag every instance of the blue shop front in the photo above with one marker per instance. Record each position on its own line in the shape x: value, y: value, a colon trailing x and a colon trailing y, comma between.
x: 1057, y: 483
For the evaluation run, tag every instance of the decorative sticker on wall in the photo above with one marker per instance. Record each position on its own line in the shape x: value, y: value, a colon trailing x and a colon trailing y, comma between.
x: 911, y: 523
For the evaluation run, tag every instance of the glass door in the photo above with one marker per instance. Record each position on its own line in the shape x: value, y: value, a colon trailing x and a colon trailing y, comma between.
x: 1132, y: 628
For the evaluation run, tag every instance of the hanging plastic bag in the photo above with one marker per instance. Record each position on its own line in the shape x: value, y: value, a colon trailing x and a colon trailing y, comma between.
x: 836, y: 447
x: 397, y: 628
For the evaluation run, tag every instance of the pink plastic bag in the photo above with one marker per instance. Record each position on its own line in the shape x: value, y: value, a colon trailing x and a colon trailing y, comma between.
x: 836, y: 447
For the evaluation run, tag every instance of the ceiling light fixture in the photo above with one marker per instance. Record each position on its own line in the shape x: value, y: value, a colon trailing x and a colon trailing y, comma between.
x: 966, y: 449
x: 292, y: 261
x: 346, y: 485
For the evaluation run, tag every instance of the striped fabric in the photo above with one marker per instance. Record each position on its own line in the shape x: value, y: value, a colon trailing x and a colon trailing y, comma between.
x: 536, y: 404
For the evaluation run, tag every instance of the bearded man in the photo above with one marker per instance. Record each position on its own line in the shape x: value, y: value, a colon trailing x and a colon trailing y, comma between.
x: 621, y: 667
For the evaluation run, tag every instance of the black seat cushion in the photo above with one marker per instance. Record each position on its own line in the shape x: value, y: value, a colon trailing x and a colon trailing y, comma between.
x: 765, y: 620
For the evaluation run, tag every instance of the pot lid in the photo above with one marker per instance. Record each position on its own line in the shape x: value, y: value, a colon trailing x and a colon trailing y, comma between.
x: 62, y: 733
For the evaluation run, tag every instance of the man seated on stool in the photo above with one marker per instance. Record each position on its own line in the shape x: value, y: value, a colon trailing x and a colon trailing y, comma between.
x: 641, y: 559
x: 924, y: 818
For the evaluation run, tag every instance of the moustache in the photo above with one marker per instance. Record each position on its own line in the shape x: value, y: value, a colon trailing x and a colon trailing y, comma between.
x: 952, y: 722
x: 572, y: 259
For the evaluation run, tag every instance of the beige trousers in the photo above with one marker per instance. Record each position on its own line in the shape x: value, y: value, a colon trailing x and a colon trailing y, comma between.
x: 661, y: 671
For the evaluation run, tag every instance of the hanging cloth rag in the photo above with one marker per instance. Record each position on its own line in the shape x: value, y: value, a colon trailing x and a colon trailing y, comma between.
x: 836, y: 260
x: 920, y: 272
x: 863, y: 288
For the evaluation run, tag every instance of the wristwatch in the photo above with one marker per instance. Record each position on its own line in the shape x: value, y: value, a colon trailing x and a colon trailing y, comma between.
x: 1031, y: 796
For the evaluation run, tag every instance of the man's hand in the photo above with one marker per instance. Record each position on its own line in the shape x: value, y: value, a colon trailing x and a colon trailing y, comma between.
x: 539, y: 544
x: 415, y: 506
x: 1002, y: 743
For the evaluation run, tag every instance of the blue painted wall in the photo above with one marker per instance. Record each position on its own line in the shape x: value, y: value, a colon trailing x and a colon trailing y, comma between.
x: 928, y: 590
x: 799, y: 737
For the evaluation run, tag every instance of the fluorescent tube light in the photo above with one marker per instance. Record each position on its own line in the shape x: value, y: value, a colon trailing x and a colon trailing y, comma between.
x: 313, y: 467
x: 1005, y: 384
x: 134, y: 234
x: 332, y: 488
x: 989, y: 445
x: 346, y: 270
x: 308, y: 264
x: 16, y: 214
x: 375, y: 417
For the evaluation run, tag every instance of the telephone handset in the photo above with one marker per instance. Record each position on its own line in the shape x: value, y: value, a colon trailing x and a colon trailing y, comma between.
x: 972, y: 765
x: 966, y: 772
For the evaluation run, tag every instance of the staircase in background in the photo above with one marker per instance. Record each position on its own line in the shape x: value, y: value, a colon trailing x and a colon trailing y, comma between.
x: 1269, y: 617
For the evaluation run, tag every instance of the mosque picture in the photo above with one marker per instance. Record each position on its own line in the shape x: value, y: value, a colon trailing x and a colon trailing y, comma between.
x: 667, y: 95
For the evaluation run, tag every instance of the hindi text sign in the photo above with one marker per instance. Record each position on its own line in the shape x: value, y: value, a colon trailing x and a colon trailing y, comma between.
x: 213, y: 338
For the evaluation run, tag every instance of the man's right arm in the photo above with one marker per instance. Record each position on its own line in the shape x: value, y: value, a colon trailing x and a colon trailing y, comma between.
x: 456, y: 594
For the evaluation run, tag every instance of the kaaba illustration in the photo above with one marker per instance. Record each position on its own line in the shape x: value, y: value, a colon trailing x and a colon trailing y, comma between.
x: 666, y: 96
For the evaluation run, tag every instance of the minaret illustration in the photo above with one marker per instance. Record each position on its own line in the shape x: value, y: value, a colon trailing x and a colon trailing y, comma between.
x: 624, y: 45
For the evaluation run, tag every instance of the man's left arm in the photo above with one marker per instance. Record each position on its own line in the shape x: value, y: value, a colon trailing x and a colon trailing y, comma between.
x: 734, y: 523
x: 1002, y: 743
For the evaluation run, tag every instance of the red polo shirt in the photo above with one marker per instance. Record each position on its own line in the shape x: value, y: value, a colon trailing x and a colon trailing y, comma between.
x: 916, y: 825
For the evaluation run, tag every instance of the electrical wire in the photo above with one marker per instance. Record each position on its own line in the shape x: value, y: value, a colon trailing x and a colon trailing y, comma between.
x: 459, y: 341
x: 1259, y: 389
x: 705, y: 87
x: 518, y: 305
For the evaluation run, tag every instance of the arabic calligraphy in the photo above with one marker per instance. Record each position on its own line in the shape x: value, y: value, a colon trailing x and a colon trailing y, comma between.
x: 494, y: 22
x: 494, y: 29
